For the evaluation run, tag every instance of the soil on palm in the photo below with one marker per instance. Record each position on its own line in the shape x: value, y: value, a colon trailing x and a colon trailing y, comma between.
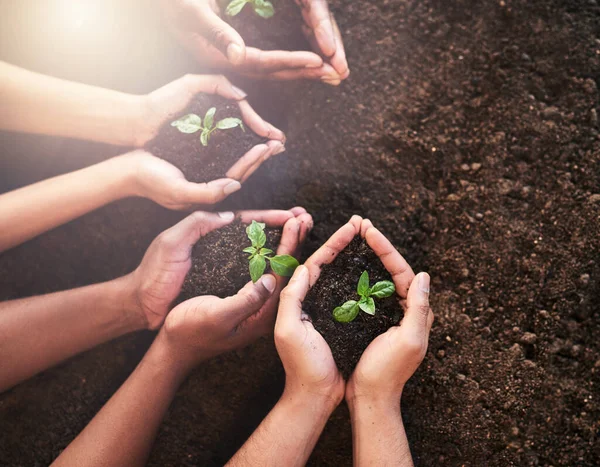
x: 336, y: 285
x: 283, y: 31
x: 204, y: 163
x: 219, y: 266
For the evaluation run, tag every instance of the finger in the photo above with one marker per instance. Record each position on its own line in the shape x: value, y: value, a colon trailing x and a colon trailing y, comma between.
x: 324, y: 73
x: 258, y: 125
x: 297, y: 210
x: 248, y: 300
x: 212, y: 84
x: 290, y: 306
x: 256, y: 154
x: 220, y: 34
x: 338, y: 59
x: 392, y: 260
x: 329, y: 251
x: 306, y: 225
x: 275, y: 147
x: 273, y: 217
x: 418, y: 316
x: 184, y: 235
x: 206, y: 193
x: 316, y: 15
x: 266, y: 61
x: 289, y: 237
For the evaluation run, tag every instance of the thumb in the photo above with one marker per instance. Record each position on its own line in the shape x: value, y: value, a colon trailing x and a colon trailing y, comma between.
x: 250, y: 299
x: 221, y: 35
x: 418, y: 316
x: 207, y: 193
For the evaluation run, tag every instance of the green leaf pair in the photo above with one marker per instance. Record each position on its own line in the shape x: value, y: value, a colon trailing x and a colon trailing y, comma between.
x: 349, y: 310
x: 282, y: 265
x: 191, y: 123
x: 262, y: 8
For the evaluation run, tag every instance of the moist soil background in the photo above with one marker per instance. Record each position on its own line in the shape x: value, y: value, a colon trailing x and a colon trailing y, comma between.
x: 336, y: 285
x: 468, y: 133
x: 219, y: 266
x: 205, y: 163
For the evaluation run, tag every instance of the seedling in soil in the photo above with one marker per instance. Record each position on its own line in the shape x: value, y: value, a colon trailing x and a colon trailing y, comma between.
x: 192, y: 123
x: 349, y: 310
x: 261, y: 7
x: 282, y: 265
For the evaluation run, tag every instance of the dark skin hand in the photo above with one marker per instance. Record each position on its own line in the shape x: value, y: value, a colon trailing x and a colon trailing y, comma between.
x: 200, y: 28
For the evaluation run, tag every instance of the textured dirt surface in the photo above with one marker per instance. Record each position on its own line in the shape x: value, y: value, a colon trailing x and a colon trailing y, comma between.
x: 201, y: 163
x: 336, y: 285
x: 468, y: 133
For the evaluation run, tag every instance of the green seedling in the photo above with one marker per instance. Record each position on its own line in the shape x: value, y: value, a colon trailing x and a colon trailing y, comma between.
x: 192, y: 123
x: 282, y: 265
x: 349, y: 310
x: 261, y: 7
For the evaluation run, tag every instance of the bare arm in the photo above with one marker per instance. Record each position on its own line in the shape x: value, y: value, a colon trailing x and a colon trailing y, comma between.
x: 35, y: 103
x: 38, y: 332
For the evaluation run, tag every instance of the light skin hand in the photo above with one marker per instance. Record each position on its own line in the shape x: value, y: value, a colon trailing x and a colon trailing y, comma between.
x: 199, y: 26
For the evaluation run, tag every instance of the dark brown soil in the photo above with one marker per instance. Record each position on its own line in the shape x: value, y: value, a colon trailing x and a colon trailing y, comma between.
x: 205, y: 163
x: 283, y: 31
x: 219, y: 266
x: 336, y: 285
x: 512, y: 375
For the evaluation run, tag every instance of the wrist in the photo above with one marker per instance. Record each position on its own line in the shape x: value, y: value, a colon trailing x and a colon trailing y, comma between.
x: 127, y: 303
x: 169, y: 356
x: 323, y: 400
x: 378, y: 402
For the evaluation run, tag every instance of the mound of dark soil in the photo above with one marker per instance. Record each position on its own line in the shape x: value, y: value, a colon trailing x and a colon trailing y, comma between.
x: 336, y: 285
x: 283, y: 31
x: 219, y: 266
x: 204, y: 163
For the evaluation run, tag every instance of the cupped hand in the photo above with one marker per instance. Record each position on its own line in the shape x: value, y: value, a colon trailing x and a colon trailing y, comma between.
x: 392, y: 358
x: 200, y: 28
x: 205, y: 326
x: 306, y: 357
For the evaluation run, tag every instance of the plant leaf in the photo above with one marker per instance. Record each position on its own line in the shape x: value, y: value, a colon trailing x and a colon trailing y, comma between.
x: 383, y: 289
x: 229, y: 122
x: 263, y: 8
x: 347, y: 312
x: 204, y: 137
x: 189, y: 123
x: 367, y: 304
x: 284, y: 265
x: 235, y: 6
x: 256, y: 234
x: 250, y: 250
x: 257, y: 267
x: 363, y: 285
x: 209, y: 118
x: 265, y: 251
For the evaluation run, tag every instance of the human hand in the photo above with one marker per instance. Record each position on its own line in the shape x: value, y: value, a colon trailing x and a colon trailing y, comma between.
x: 306, y: 357
x: 392, y: 358
x: 205, y: 326
x: 198, y: 26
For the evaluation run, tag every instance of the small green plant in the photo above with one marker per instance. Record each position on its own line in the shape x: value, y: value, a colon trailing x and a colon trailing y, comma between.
x: 282, y: 265
x: 261, y: 7
x: 192, y: 123
x: 349, y: 310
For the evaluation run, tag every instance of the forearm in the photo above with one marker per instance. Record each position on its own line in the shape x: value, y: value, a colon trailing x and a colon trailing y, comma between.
x: 41, y: 331
x: 378, y: 435
x: 122, y: 432
x: 288, y: 434
x: 35, y: 103
x: 29, y: 211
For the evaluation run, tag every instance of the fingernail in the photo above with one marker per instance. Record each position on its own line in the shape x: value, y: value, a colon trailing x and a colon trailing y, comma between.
x: 268, y: 282
x: 278, y: 149
x: 235, y: 54
x: 239, y: 92
x: 231, y: 187
x: 424, y: 282
x: 226, y: 215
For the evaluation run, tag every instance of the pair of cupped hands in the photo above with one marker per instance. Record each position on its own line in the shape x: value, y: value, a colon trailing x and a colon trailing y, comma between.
x: 205, y: 326
x: 199, y: 26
